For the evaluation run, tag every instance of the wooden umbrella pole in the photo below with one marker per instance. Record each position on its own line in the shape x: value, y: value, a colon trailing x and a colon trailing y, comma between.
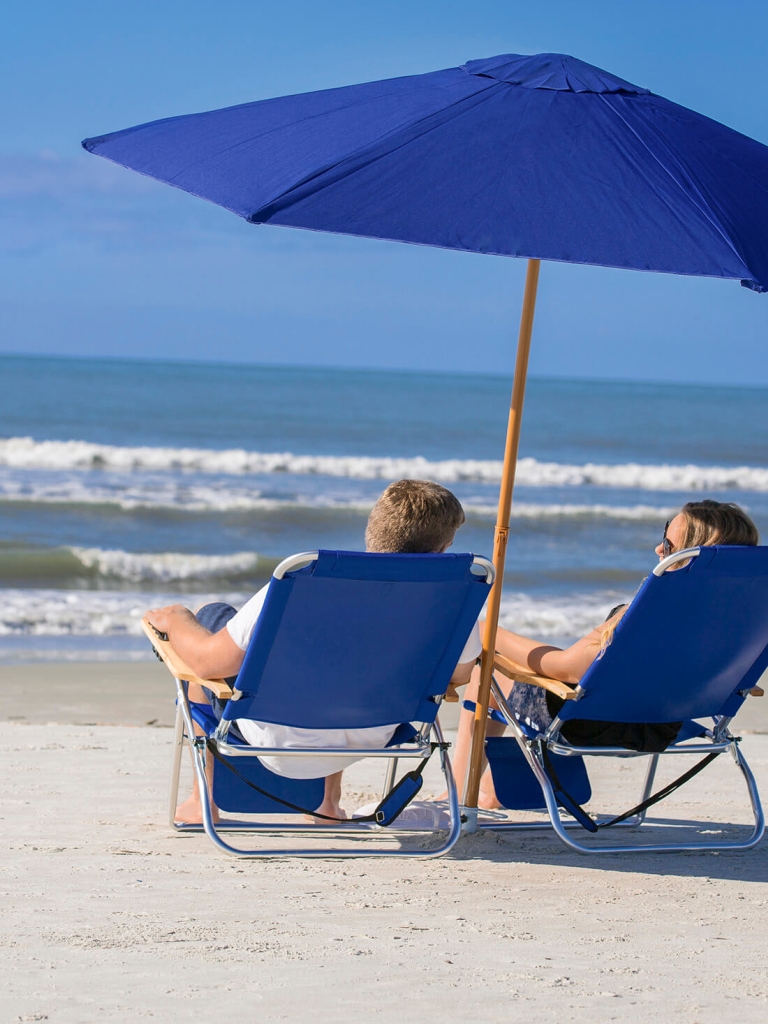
x: 501, y: 535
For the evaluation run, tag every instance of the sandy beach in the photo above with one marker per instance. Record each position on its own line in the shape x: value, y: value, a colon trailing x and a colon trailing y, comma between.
x: 109, y: 916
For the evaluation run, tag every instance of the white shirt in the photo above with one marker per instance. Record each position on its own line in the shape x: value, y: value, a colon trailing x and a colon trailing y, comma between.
x: 267, y: 734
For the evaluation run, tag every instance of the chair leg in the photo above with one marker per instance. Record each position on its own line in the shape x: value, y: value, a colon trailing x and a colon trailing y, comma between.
x: 536, y: 762
x: 389, y: 778
x: 178, y: 751
x: 754, y: 795
x: 454, y: 810
x: 454, y: 831
x: 650, y: 776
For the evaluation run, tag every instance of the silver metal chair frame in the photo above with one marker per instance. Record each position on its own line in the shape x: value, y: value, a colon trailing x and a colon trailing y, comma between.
x: 184, y: 733
x: 719, y: 739
x: 419, y: 748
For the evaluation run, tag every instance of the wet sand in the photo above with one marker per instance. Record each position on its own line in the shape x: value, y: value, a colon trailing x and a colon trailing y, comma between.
x: 142, y: 693
x: 87, y: 693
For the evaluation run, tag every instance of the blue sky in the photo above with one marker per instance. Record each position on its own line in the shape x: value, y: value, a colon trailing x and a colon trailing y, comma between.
x: 97, y: 260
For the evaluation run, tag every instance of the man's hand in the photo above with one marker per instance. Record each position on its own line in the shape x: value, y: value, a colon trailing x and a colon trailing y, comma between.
x: 163, y: 619
x: 209, y: 655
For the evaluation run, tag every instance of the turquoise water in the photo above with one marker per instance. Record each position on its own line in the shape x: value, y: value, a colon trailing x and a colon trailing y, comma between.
x: 125, y: 483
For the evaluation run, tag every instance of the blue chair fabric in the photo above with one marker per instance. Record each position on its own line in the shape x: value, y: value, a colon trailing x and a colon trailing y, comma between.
x: 232, y: 795
x: 692, y: 644
x: 518, y: 788
x: 357, y: 640
x: 689, y: 642
x: 350, y: 641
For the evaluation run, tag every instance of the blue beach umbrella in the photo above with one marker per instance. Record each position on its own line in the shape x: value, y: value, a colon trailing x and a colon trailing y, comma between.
x: 541, y: 156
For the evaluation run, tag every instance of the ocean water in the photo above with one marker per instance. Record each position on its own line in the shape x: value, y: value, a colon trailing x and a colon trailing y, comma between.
x: 124, y: 485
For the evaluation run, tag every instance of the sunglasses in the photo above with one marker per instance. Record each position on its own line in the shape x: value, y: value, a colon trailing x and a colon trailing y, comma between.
x: 666, y: 543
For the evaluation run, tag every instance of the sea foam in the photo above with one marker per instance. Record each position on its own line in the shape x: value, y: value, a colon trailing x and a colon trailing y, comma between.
x: 26, y: 453
x: 559, y: 618
x: 51, y: 612
x: 166, y: 566
x: 200, y: 498
x: 48, y: 612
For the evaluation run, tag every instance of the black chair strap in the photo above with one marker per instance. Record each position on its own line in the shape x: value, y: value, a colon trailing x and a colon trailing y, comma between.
x: 375, y: 816
x: 592, y: 826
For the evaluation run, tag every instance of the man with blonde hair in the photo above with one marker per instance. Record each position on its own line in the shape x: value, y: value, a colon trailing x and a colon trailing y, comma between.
x: 410, y: 517
x: 414, y: 517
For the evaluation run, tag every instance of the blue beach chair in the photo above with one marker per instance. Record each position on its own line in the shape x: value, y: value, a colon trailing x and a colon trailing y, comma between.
x: 345, y: 640
x: 690, y: 649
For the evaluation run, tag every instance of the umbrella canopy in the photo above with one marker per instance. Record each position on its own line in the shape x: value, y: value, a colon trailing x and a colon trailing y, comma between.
x: 540, y: 156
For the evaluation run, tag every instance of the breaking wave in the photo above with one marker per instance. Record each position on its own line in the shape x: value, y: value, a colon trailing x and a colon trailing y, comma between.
x: 166, y: 566
x: 88, y: 567
x: 128, y: 494
x: 83, y: 613
x: 201, y: 498
x: 563, y: 618
x: 26, y: 453
x: 54, y: 612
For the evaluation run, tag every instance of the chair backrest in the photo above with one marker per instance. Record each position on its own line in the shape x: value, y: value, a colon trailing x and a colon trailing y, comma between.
x: 692, y: 638
x: 355, y: 639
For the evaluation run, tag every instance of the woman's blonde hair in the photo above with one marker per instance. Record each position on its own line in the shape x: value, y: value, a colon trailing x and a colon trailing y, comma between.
x: 707, y: 522
x: 717, y: 522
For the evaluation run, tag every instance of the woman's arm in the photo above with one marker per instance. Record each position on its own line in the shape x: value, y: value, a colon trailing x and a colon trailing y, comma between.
x: 567, y: 665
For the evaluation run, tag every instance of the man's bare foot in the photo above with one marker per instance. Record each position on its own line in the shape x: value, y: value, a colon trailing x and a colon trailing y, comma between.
x: 191, y: 812
x: 328, y: 808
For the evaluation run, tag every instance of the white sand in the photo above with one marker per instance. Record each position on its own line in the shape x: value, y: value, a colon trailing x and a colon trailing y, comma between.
x: 107, y: 916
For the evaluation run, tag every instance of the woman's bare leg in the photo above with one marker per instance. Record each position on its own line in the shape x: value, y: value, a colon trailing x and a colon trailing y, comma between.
x: 460, y: 759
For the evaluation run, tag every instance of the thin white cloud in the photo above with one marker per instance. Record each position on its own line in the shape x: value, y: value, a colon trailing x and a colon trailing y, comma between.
x: 23, y: 175
x: 47, y: 200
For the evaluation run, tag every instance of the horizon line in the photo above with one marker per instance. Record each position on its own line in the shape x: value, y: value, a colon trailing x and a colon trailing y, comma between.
x: 404, y: 371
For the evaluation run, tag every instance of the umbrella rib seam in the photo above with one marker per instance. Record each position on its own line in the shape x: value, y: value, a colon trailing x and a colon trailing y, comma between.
x: 700, y: 205
x: 356, y: 155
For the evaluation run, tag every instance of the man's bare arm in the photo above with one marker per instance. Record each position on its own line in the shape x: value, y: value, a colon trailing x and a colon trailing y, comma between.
x: 461, y: 673
x: 461, y: 676
x: 210, y: 655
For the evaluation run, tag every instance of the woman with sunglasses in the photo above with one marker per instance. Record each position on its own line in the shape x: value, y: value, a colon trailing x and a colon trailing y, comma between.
x: 698, y: 523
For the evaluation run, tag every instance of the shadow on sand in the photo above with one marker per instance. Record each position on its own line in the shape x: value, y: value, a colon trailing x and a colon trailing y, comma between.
x: 546, y: 848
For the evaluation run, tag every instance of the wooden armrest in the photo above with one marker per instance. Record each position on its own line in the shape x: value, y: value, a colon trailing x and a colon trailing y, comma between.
x: 757, y: 691
x: 179, y: 668
x: 512, y: 670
